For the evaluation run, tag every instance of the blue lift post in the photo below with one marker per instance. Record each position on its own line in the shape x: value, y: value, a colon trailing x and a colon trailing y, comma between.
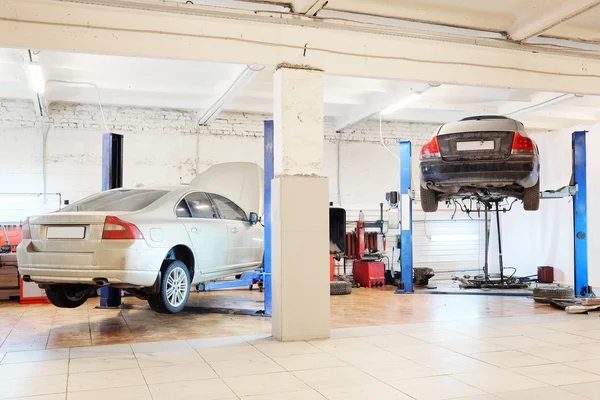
x: 263, y: 274
x: 269, y: 175
x: 582, y: 287
x: 406, y: 250
x: 112, y: 178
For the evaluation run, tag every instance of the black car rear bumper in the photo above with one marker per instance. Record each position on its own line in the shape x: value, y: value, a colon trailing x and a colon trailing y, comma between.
x: 523, y: 172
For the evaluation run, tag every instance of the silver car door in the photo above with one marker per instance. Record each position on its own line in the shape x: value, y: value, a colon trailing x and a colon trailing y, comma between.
x: 207, y: 232
x: 239, y: 230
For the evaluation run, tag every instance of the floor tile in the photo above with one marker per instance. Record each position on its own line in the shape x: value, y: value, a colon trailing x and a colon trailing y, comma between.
x: 592, y: 366
x: 396, y: 340
x: 230, y: 353
x: 179, y: 372
x: 341, y: 344
x: 437, y: 336
x: 547, y: 393
x: 78, y: 365
x: 482, y: 332
x: 524, y: 329
x: 101, y: 351
x: 365, y: 356
x: 517, y: 342
x: 509, y: 359
x: 480, y: 397
x: 262, y: 365
x: 168, y: 358
x: 216, y: 342
x: 435, y: 388
x: 57, y: 396
x: 208, y: 389
x: 279, y: 349
x: 422, y: 351
x: 309, y: 361
x: 589, y: 390
x: 397, y: 370
x: 560, y: 354
x: 471, y: 346
x: 498, y: 381
x: 360, y: 331
x: 105, y: 380
x: 336, y: 376
x: 35, y: 355
x: 280, y: 382
x: 590, y: 348
x: 24, y: 387
x: 557, y: 374
x: 155, y: 347
x: 368, y: 391
x: 297, y: 395
x: 591, y: 334
x: 33, y: 369
x: 563, y: 338
x: 454, y: 364
x: 129, y: 393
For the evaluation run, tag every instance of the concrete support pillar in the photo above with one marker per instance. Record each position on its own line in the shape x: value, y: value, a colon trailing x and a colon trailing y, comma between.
x: 300, y: 209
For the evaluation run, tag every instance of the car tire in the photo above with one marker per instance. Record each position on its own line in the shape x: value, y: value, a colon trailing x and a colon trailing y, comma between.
x: 63, y: 296
x: 429, y: 201
x: 174, y: 289
x: 340, y: 288
x: 546, y: 294
x: 531, y: 197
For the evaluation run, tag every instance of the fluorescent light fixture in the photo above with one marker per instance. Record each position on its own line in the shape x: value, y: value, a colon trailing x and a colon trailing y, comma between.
x: 454, y: 238
x: 400, y: 104
x: 36, y: 75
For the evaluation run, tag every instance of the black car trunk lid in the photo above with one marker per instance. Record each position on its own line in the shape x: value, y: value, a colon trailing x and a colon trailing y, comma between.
x: 469, y: 146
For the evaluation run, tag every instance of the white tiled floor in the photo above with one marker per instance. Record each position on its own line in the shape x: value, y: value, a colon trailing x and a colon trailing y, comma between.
x: 550, y: 357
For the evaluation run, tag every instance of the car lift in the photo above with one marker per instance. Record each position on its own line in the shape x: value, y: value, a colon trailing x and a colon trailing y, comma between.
x: 577, y: 189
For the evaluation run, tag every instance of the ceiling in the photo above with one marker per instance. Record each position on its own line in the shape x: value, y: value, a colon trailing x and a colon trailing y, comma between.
x: 193, y: 85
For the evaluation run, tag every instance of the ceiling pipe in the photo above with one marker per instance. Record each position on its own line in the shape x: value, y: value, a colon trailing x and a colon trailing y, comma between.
x: 555, y: 100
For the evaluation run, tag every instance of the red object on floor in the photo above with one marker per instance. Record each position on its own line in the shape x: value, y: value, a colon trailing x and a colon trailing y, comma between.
x: 545, y: 274
x: 369, y: 273
x: 331, y: 267
x: 30, y: 293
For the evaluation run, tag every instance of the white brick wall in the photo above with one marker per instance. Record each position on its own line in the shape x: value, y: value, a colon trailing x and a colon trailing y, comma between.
x: 166, y: 146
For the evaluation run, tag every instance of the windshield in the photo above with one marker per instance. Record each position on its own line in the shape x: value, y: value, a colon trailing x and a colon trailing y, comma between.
x: 117, y: 200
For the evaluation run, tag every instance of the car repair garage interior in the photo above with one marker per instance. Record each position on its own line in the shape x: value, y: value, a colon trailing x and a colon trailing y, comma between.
x: 343, y: 199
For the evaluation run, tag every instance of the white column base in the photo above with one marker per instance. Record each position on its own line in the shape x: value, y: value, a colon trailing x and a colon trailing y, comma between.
x: 300, y: 258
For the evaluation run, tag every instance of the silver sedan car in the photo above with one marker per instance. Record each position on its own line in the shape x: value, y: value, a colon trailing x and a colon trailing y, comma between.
x: 156, y: 243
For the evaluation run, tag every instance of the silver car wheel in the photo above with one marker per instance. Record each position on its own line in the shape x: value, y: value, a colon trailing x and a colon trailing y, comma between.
x: 177, y: 287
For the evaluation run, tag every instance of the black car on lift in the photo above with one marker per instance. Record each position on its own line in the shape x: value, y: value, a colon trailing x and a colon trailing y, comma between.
x: 485, y: 158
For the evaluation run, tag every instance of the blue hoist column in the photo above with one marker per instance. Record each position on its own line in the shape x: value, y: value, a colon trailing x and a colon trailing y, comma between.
x: 406, y: 247
x: 112, y: 178
x: 582, y: 287
x: 269, y: 174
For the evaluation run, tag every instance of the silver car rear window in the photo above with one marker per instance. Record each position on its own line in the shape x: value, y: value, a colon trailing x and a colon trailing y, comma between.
x: 117, y: 200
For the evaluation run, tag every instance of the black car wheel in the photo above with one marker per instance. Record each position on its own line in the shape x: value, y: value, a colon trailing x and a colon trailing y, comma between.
x: 174, y: 289
x: 429, y: 201
x: 531, y: 197
x: 67, y: 296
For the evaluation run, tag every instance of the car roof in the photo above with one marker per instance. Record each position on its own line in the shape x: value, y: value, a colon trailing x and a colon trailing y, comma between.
x: 483, y: 123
